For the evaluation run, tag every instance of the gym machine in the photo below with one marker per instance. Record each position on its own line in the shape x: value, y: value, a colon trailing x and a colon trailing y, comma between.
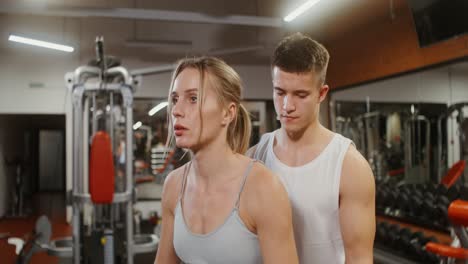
x: 102, y: 199
x: 455, y: 114
x: 17, y: 194
x: 417, y: 138
x: 364, y: 131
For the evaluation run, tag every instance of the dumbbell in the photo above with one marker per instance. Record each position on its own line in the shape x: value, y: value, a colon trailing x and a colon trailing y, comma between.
x: 431, y: 187
x: 417, y: 206
x: 441, y: 209
x: 382, y: 231
x: 428, y: 256
x: 381, y: 196
x: 387, y: 198
x: 393, y: 236
x: 392, y: 199
x: 418, y: 191
x: 463, y: 193
x: 416, y: 248
x: 441, y: 189
x: 428, y: 206
x: 405, y: 204
x: 404, y: 240
x: 453, y: 193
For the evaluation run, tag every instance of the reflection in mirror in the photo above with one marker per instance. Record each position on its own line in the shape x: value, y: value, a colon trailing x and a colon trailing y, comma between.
x: 413, y: 130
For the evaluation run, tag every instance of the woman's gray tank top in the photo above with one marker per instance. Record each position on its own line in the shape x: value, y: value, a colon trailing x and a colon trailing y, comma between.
x: 232, y: 242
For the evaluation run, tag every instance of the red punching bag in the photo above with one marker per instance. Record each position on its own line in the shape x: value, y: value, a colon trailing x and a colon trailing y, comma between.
x: 101, y: 169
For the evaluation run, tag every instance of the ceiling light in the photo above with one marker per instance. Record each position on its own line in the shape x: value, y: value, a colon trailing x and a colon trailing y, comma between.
x: 301, y: 9
x: 156, y: 109
x: 137, y: 125
x: 40, y: 43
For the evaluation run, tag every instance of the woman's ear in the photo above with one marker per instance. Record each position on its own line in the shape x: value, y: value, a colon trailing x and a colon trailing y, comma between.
x: 229, y: 114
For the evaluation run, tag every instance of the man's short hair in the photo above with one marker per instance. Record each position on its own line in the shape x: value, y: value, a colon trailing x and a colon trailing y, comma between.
x: 298, y: 53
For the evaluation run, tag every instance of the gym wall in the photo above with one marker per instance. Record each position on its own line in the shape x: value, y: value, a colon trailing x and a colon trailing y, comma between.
x: 387, y: 47
x: 447, y: 84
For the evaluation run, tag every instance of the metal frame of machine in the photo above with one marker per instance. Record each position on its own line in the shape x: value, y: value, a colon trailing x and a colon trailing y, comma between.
x: 85, y: 83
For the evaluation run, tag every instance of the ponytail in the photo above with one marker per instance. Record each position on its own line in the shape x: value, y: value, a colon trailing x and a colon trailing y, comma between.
x: 238, y: 134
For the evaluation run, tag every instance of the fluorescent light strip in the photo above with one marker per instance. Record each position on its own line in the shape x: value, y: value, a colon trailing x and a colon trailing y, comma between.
x: 137, y: 125
x: 156, y: 109
x: 40, y: 43
x: 301, y: 9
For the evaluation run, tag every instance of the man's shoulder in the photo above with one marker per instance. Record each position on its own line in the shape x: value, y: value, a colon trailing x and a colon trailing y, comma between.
x: 258, y: 150
x: 354, y: 157
x: 265, y: 138
x: 356, y: 172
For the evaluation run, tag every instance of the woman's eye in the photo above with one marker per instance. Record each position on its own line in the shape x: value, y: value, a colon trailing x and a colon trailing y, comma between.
x: 174, y: 100
x: 193, y: 99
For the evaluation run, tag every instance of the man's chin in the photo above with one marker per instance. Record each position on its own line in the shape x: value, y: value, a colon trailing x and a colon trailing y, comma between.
x: 290, y: 128
x: 293, y: 128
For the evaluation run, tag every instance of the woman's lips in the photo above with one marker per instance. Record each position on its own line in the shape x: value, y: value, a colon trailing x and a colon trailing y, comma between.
x: 179, y: 130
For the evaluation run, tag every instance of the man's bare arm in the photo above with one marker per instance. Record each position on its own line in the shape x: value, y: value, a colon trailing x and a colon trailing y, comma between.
x: 357, y: 208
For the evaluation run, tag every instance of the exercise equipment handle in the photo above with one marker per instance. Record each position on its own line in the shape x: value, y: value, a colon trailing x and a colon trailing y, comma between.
x: 100, y: 53
x: 458, y: 212
x: 447, y: 251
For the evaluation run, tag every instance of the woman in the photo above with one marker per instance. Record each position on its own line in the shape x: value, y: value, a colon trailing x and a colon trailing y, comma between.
x: 221, y: 207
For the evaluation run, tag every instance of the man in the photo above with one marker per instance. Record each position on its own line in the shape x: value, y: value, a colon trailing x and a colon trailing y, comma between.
x: 330, y: 185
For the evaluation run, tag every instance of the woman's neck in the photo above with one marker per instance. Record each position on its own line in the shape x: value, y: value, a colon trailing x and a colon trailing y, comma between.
x: 210, y: 163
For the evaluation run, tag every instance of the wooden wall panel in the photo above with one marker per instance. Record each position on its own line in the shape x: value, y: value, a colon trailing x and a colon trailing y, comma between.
x: 386, y: 48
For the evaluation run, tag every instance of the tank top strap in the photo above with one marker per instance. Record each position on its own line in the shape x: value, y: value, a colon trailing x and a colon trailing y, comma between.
x: 244, y: 180
x: 184, y: 180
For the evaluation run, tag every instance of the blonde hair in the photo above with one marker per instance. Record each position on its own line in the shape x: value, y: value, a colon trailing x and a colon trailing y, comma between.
x: 228, y: 87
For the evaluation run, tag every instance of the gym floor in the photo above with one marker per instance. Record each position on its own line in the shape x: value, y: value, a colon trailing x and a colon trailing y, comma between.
x: 51, y: 204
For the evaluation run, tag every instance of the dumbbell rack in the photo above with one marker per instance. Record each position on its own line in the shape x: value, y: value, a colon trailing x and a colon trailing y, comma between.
x: 411, y: 210
x: 423, y: 205
x: 383, y: 257
x: 403, y: 242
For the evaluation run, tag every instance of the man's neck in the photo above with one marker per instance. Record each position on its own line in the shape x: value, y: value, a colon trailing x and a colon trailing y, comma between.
x: 312, y: 134
x: 299, y: 149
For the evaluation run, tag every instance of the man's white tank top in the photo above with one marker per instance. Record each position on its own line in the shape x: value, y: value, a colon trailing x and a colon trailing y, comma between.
x: 313, y: 191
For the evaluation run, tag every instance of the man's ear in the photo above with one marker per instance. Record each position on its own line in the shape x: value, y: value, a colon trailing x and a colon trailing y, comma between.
x: 323, y: 92
x: 229, y: 113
